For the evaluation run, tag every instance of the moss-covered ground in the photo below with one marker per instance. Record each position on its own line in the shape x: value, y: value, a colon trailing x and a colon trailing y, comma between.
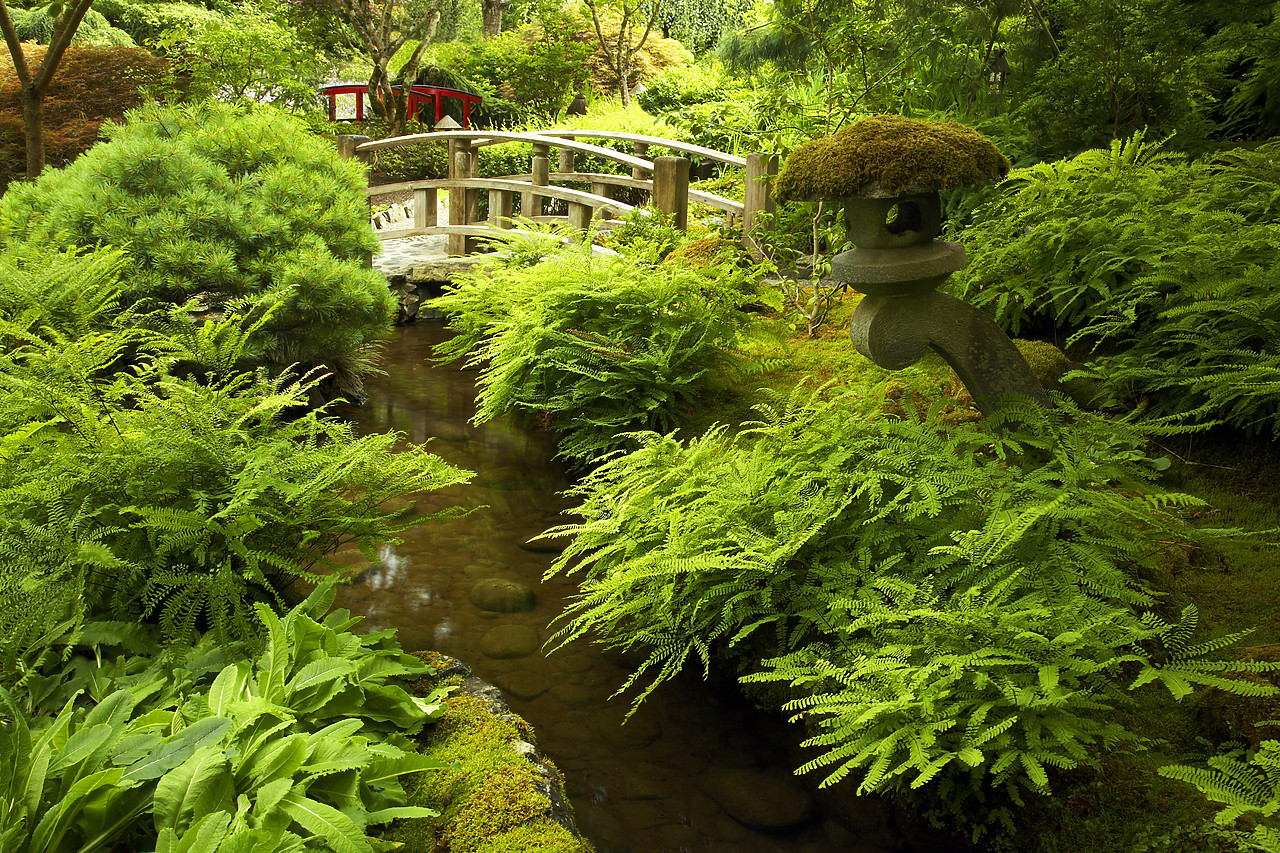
x: 489, y: 800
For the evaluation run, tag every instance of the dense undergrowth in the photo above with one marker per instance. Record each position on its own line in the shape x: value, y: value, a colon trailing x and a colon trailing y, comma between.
x: 161, y: 499
x: 970, y: 614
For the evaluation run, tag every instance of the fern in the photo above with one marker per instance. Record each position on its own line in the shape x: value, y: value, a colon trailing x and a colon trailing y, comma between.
x: 1249, y: 789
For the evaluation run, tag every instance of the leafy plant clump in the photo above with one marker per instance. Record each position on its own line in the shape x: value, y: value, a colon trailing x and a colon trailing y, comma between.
x: 962, y: 606
x: 302, y: 743
x: 234, y: 209
x: 145, y: 477
x: 1158, y: 269
x: 1248, y: 789
x: 888, y: 155
x: 594, y: 347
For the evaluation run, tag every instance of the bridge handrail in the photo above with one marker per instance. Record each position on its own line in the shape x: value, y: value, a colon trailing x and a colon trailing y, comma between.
x: 489, y: 137
x: 562, y: 193
x: 686, y: 147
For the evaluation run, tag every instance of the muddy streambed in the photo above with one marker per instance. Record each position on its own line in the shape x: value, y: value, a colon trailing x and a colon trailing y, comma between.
x: 691, y: 757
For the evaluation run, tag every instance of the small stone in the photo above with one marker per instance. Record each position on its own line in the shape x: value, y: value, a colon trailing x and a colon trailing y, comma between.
x: 639, y: 731
x: 573, y: 695
x: 605, y: 831
x: 757, y: 799
x: 501, y: 596
x: 509, y: 641
x: 573, y: 661
x: 522, y: 684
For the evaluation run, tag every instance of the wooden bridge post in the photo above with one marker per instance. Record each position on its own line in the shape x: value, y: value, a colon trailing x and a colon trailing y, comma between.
x: 424, y: 207
x: 759, y: 197
x: 459, y: 167
x: 604, y: 191
x: 637, y: 173
x: 530, y: 203
x: 472, y: 196
x: 671, y: 189
x: 579, y: 218
x: 347, y: 143
x: 566, y: 160
x: 500, y: 202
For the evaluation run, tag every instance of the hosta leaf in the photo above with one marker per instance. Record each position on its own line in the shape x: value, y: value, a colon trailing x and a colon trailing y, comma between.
x: 338, y: 830
x: 200, y: 784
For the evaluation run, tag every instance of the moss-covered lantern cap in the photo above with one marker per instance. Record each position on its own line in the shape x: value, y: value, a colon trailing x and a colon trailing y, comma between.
x: 887, y: 155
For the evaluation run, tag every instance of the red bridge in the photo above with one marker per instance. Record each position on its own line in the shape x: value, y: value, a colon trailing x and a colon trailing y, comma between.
x: 417, y: 95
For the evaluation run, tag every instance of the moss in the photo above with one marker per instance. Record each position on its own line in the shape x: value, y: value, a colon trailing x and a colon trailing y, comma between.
x: 540, y: 835
x: 1046, y: 361
x: 490, y: 793
x: 887, y: 156
x: 704, y: 252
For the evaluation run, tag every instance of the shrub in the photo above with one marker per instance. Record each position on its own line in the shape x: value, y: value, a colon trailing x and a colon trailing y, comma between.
x: 237, y: 208
x: 959, y: 604
x: 93, y: 85
x: 37, y: 25
x: 142, y: 469
x: 594, y: 347
x: 677, y: 88
x: 1163, y: 268
x: 145, y: 22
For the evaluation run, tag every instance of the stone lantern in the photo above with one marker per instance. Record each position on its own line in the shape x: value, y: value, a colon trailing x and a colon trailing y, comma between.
x: 886, y: 171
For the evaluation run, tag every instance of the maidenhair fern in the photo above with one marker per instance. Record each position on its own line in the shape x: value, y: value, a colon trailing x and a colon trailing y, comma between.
x: 594, y: 347
x: 937, y: 600
x: 1247, y: 789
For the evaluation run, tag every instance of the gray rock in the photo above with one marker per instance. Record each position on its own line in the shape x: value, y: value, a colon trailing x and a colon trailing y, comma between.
x: 523, y: 684
x: 509, y: 641
x: 756, y: 799
x: 501, y: 596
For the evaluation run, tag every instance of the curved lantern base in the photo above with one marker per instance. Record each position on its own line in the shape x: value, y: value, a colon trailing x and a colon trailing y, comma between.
x: 896, y: 331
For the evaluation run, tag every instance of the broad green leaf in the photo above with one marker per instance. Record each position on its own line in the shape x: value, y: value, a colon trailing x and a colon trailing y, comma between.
x: 228, y: 687
x: 196, y: 786
x: 178, y: 748
x: 399, y: 813
x: 338, y: 830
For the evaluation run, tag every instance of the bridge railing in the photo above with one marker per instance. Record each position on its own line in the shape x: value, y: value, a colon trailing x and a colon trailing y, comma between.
x: 666, y: 179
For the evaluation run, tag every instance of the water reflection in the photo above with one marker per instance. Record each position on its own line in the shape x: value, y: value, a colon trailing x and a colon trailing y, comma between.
x: 640, y: 787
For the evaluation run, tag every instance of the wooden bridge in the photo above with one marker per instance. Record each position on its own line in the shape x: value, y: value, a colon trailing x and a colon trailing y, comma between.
x: 664, y: 179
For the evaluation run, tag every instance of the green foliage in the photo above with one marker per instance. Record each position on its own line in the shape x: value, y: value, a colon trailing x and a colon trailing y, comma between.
x: 538, y: 68
x: 959, y: 604
x: 593, y: 346
x: 677, y: 89
x: 139, y: 465
x: 239, y: 209
x: 246, y: 55
x: 145, y: 22
x: 37, y: 25
x: 305, y: 740
x: 646, y: 234
x: 1248, y: 789
x: 1163, y: 267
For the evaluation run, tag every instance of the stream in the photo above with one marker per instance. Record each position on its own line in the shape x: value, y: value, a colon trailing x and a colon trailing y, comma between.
x: 693, y: 753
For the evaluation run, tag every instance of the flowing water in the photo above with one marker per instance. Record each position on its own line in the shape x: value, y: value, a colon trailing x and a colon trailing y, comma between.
x: 641, y: 787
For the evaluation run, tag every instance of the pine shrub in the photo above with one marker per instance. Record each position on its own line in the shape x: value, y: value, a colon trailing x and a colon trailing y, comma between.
x: 234, y: 209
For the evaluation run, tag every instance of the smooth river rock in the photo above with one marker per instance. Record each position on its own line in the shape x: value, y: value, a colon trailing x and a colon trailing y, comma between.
x: 501, y: 596
x: 509, y: 641
x: 523, y: 684
x: 759, y: 800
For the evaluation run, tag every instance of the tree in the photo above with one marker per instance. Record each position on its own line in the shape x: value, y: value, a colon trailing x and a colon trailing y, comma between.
x: 619, y: 53
x: 36, y: 86
x: 383, y: 28
x: 491, y: 15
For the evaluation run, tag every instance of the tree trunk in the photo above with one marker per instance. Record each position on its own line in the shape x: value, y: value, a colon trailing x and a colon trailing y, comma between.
x: 491, y: 16
x: 33, y: 124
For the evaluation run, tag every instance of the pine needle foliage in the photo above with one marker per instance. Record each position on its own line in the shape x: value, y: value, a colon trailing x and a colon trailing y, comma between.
x: 941, y: 602
x: 239, y: 209
x: 594, y: 347
x: 166, y: 496
x: 1162, y: 269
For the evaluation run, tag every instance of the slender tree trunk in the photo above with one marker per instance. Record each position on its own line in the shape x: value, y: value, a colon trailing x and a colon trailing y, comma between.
x: 33, y: 126
x: 491, y: 17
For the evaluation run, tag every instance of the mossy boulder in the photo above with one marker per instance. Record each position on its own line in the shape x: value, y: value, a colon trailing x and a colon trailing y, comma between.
x: 885, y: 156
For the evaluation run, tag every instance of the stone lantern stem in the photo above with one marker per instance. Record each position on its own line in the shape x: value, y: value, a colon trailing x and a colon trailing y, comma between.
x: 895, y: 332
